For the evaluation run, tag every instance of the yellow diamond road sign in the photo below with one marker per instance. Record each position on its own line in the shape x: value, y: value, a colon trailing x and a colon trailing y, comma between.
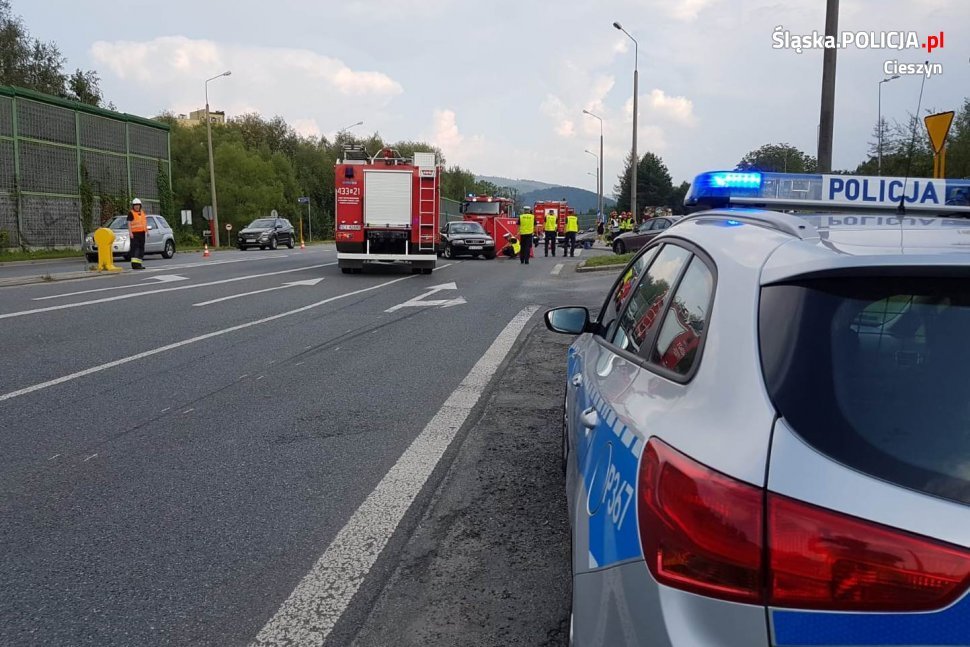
x: 938, y: 126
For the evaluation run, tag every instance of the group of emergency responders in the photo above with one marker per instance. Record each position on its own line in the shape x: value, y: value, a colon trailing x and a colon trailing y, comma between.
x: 522, y: 246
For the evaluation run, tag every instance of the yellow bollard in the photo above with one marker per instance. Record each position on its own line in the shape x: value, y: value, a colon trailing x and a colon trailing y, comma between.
x: 104, y: 238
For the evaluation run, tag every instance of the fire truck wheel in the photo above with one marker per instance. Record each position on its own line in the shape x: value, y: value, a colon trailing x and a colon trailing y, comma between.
x: 448, y: 253
x: 427, y: 270
x: 345, y: 270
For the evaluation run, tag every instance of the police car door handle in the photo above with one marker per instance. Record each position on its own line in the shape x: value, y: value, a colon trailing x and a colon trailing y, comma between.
x: 577, y: 379
x: 590, y: 418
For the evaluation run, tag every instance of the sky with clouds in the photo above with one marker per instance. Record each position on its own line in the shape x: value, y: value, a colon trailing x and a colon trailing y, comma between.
x: 500, y: 85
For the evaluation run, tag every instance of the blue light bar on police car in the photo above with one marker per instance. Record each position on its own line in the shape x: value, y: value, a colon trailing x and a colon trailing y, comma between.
x: 799, y: 191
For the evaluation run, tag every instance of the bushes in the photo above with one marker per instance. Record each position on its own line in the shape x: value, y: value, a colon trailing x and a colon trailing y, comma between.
x: 186, y: 238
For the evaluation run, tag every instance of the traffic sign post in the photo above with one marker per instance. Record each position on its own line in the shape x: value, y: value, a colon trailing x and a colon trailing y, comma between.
x: 938, y: 127
x: 228, y: 234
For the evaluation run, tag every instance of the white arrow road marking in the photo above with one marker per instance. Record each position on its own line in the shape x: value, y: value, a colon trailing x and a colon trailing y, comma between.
x: 159, y: 291
x: 421, y: 301
x: 166, y: 278
x: 193, y: 340
x: 308, y: 616
x: 246, y: 294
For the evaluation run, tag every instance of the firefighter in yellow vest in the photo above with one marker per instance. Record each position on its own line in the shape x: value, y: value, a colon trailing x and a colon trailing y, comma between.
x: 550, y: 225
x: 572, y: 228
x: 137, y: 229
x: 527, y: 228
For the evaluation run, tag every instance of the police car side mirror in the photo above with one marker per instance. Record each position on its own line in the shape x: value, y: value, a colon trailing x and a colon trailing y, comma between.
x: 570, y: 320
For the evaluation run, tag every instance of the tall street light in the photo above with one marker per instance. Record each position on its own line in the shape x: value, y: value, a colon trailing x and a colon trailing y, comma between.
x: 599, y: 183
x: 633, y: 179
x: 826, y: 119
x: 879, y: 120
x: 212, y: 166
x: 346, y: 128
x: 599, y: 163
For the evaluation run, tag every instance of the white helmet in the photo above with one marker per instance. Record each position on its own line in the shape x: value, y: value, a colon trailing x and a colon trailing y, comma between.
x: 135, y: 201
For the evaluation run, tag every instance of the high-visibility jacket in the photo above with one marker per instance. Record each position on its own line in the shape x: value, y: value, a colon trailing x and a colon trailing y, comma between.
x: 516, y: 247
x: 572, y: 224
x: 551, y: 223
x: 137, y: 222
x: 626, y: 225
x: 527, y: 224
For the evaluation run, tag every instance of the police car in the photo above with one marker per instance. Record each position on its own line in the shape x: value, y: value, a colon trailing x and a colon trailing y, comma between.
x: 767, y: 426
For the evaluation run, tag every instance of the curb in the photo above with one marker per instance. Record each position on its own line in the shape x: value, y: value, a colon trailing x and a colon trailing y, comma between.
x: 42, y: 261
x: 51, y: 278
x: 600, y: 268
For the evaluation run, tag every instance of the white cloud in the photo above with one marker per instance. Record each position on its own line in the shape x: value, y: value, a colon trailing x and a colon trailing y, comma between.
x: 679, y: 109
x: 175, y: 59
x: 307, y: 127
x: 466, y: 151
x: 561, y: 116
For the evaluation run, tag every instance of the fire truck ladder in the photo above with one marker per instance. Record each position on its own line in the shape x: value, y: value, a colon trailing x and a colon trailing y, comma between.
x: 427, y: 196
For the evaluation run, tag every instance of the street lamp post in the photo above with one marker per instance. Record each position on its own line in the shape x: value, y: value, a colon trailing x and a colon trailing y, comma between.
x: 879, y: 122
x: 633, y: 179
x: 212, y: 165
x: 597, y: 158
x: 599, y: 174
x: 346, y: 128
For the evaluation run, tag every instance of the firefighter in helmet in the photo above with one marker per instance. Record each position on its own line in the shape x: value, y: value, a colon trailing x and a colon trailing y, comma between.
x: 138, y: 229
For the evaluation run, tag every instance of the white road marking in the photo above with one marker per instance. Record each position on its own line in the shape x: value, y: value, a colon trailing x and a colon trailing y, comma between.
x: 226, y: 261
x: 53, y: 457
x: 557, y: 269
x: 579, y: 252
x: 243, y: 377
x: 308, y: 616
x: 246, y: 294
x: 166, y: 409
x: 188, y: 411
x: 89, y: 458
x: 421, y: 302
x: 149, y: 292
x: 166, y: 278
x: 193, y: 340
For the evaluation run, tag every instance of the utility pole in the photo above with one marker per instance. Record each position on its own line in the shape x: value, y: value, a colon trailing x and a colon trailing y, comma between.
x: 636, y: 91
x: 827, y: 113
x: 212, y: 165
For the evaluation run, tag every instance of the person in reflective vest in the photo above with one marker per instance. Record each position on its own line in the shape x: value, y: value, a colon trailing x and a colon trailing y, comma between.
x: 527, y: 228
x: 550, y: 227
x: 137, y: 230
x: 512, y: 246
x: 572, y: 228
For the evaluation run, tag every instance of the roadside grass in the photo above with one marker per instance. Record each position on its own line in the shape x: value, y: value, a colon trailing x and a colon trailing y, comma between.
x: 7, y: 256
x: 608, y: 259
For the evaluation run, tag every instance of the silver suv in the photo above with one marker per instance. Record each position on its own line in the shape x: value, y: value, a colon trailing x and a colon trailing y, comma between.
x: 766, y: 430
x: 160, y: 239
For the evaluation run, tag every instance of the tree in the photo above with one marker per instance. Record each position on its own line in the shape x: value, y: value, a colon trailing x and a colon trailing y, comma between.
x: 30, y: 63
x: 677, y: 196
x: 654, y: 185
x: 958, y: 146
x: 778, y: 158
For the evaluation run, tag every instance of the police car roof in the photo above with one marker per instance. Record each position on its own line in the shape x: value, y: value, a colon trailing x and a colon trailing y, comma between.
x: 815, y: 236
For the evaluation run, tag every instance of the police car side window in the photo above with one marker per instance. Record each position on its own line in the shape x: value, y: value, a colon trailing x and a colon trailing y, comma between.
x: 679, y: 339
x: 621, y: 292
x: 646, y: 303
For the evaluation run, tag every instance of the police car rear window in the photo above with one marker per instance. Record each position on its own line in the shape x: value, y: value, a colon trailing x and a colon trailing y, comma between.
x: 875, y: 373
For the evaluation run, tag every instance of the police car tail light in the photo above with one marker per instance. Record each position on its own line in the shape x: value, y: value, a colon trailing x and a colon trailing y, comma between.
x: 700, y: 530
x: 822, y: 559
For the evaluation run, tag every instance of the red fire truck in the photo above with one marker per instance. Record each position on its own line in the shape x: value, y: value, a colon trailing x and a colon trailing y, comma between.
x: 386, y: 209
x: 495, y: 215
x: 560, y: 209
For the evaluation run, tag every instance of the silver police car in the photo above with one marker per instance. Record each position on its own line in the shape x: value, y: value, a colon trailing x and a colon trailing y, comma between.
x: 767, y: 425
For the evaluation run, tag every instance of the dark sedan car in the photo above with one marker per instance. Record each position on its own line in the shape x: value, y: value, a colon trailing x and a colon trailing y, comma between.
x: 646, y: 231
x: 465, y: 238
x: 267, y: 232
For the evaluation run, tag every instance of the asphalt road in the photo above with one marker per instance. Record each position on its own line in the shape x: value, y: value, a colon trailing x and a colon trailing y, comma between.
x: 182, y: 445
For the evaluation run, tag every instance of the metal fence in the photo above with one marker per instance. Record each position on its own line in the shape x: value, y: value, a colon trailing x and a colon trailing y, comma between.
x: 49, y: 145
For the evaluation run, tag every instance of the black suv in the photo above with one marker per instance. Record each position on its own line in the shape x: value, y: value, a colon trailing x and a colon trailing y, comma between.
x: 267, y: 232
x: 465, y: 238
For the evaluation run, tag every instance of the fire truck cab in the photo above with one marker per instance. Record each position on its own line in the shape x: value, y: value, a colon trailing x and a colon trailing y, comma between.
x: 386, y: 209
x: 560, y: 209
x: 495, y: 215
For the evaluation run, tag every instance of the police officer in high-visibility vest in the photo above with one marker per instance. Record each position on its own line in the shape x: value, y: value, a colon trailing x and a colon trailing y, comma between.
x: 138, y: 229
x: 527, y: 228
x: 512, y: 246
x: 550, y: 225
x: 572, y: 228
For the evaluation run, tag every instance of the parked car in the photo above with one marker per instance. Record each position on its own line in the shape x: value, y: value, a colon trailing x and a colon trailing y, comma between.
x: 266, y: 233
x: 646, y: 231
x: 465, y: 238
x: 764, y: 433
x: 584, y: 239
x: 159, y: 239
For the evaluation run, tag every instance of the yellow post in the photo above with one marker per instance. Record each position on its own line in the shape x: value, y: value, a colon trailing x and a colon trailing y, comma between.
x: 104, y: 238
x: 301, y: 232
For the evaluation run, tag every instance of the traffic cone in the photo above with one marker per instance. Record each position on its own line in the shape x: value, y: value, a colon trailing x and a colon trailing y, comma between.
x: 302, y: 245
x: 205, y: 250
